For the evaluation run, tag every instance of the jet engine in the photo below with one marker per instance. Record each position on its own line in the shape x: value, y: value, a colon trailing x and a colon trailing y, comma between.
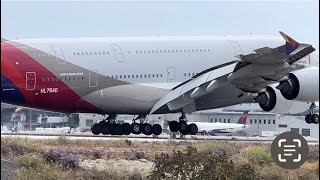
x: 272, y: 101
x: 301, y: 85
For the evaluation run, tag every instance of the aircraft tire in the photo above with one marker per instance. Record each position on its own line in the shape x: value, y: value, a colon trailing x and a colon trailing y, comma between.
x: 183, y: 127
x: 156, y: 129
x: 105, y: 129
x: 118, y: 129
x: 135, y: 128
x: 126, y: 127
x: 314, y: 118
x: 192, y: 129
x: 174, y: 126
x: 96, y: 129
x: 308, y: 118
x: 146, y: 129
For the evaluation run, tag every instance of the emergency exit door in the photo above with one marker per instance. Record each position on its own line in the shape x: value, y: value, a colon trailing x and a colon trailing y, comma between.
x: 171, y: 74
x: 30, y: 80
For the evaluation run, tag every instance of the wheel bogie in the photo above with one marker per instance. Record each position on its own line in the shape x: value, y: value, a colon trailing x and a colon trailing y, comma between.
x: 312, y: 118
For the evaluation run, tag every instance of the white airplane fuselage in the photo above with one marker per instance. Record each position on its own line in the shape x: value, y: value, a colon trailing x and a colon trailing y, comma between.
x: 118, y: 75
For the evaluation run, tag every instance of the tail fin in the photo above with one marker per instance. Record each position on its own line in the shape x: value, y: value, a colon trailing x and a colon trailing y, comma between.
x: 291, y: 44
x: 243, y: 118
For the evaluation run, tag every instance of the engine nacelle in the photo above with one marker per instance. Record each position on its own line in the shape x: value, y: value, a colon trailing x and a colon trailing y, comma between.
x: 272, y: 101
x: 301, y: 85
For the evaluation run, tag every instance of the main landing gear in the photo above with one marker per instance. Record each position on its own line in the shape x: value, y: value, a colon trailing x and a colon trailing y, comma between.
x: 312, y: 117
x: 109, y: 126
x: 183, y: 127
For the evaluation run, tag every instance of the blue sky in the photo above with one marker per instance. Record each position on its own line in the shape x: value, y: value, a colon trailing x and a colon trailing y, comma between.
x: 42, y: 19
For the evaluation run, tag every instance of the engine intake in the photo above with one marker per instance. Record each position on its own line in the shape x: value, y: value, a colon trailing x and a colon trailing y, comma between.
x: 302, y: 85
x: 272, y: 101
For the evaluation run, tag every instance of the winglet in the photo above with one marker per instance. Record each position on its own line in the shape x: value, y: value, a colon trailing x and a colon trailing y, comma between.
x: 291, y: 44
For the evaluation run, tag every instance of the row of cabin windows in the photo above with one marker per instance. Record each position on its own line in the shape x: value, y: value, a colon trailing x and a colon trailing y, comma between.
x: 91, y: 53
x: 48, y: 79
x: 52, y: 79
x: 136, y: 76
x: 171, y: 51
x: 224, y: 120
x: 255, y: 121
x: 189, y: 74
x: 145, y: 52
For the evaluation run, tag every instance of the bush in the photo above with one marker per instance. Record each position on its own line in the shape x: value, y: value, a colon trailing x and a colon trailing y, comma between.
x: 34, y: 161
x: 246, y: 172
x: 273, y: 172
x: 314, y: 152
x: 62, y: 140
x: 195, y: 165
x: 13, y: 149
x: 60, y: 156
x: 260, y: 155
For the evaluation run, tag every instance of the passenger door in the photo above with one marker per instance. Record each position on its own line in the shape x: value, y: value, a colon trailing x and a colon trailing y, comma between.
x: 30, y: 80
x: 93, y: 78
x: 171, y: 76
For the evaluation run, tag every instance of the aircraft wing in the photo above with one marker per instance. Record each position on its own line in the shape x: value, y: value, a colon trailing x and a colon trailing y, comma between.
x: 242, y: 78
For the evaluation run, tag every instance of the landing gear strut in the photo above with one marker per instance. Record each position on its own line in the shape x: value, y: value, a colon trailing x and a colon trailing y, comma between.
x: 312, y: 117
x: 109, y: 126
x: 183, y: 127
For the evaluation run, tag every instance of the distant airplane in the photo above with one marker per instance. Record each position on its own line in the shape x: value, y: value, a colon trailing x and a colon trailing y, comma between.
x: 146, y: 75
x: 205, y: 127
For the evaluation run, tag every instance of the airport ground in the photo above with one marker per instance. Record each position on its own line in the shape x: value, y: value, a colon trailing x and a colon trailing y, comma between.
x: 130, y: 158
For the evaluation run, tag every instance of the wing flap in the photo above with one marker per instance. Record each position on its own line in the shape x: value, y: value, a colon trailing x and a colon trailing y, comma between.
x: 183, y: 95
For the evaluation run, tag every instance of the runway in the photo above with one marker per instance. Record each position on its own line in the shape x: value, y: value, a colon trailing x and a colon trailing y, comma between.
x: 160, y: 138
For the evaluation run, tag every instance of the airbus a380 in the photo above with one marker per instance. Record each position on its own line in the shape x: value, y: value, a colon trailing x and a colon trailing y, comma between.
x: 155, y: 75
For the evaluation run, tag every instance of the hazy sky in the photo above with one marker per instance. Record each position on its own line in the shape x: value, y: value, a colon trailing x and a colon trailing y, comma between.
x: 41, y: 19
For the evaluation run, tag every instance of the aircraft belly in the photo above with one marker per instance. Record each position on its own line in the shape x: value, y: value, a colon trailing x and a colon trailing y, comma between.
x: 126, y: 99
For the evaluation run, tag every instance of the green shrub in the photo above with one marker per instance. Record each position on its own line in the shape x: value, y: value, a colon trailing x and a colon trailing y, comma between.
x: 260, y: 155
x: 62, y: 140
x: 273, y: 172
x: 33, y: 160
x: 192, y: 165
x: 245, y: 171
x: 306, y: 174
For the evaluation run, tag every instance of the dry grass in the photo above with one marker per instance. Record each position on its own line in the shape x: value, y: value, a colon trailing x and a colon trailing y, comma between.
x: 35, y: 167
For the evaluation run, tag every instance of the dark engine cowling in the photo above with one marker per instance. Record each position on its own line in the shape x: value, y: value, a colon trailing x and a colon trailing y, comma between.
x: 272, y: 101
x: 301, y: 85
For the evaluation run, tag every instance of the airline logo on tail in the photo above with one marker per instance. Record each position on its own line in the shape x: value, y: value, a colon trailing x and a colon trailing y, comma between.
x: 243, y: 118
x: 291, y: 44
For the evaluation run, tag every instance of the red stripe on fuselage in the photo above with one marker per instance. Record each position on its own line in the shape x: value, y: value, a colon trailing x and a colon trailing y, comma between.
x: 15, y: 64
